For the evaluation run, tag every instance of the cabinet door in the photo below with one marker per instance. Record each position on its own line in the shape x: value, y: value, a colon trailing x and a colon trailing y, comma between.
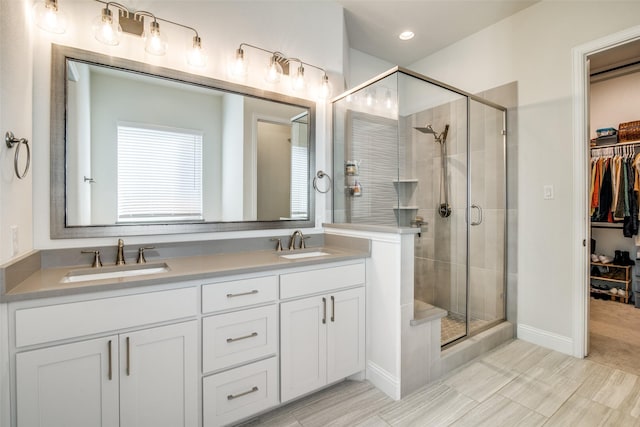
x: 158, y: 377
x: 345, y: 334
x: 69, y: 385
x: 303, y: 355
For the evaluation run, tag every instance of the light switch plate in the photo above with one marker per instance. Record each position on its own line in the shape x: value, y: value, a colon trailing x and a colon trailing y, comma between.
x: 548, y: 192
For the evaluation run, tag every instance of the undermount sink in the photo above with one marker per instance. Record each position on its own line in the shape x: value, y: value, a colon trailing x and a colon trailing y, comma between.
x: 87, y: 274
x: 304, y: 255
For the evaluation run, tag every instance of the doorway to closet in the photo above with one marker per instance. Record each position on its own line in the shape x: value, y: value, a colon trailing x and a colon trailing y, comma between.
x: 613, y: 324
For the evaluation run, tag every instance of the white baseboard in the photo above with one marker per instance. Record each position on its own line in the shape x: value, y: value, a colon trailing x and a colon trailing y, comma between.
x: 546, y: 339
x: 383, y: 380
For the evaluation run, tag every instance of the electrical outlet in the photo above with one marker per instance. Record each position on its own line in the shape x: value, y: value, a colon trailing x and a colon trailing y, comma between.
x: 547, y: 191
x: 14, y: 241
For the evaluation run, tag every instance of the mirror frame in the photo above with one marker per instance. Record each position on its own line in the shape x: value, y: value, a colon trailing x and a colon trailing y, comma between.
x: 59, y: 228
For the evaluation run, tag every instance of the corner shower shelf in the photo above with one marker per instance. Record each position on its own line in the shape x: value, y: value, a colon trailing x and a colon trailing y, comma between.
x: 619, y: 276
x: 405, y: 181
x: 405, y: 208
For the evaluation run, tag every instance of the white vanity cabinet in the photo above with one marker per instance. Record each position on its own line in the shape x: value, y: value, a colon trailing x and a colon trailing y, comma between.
x: 323, y: 336
x: 239, y: 349
x: 69, y: 385
x: 141, y: 377
x: 159, y: 377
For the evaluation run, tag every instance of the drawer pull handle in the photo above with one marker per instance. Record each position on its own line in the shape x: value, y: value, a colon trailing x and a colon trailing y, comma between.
x: 251, y: 335
x: 324, y: 310
x: 128, y: 357
x: 110, y: 374
x: 333, y: 308
x: 235, y: 396
x: 255, y: 291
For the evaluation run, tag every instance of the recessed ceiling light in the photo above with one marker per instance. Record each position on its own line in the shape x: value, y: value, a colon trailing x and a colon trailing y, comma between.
x: 406, y: 35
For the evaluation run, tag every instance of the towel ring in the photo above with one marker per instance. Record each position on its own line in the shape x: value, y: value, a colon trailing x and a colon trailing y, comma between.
x: 11, y: 140
x: 320, y: 175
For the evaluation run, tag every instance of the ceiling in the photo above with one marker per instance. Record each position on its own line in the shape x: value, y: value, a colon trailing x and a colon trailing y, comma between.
x: 373, y: 25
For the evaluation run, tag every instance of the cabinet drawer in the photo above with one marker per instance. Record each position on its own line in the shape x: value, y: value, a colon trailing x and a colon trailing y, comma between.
x: 233, y: 338
x: 63, y: 321
x: 322, y: 280
x: 239, y: 293
x: 239, y: 393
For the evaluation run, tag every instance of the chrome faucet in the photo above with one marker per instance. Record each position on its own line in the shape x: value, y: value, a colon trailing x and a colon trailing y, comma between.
x: 292, y: 240
x: 120, y: 255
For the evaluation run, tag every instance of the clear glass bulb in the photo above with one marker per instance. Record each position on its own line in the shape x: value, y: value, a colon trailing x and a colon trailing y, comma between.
x: 49, y: 17
x: 325, y: 88
x: 273, y: 73
x: 388, y: 102
x: 196, y: 56
x: 298, y: 83
x: 105, y: 30
x: 155, y: 42
x: 238, y: 67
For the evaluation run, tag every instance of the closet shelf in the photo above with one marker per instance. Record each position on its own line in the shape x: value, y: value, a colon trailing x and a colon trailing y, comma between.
x: 619, y: 144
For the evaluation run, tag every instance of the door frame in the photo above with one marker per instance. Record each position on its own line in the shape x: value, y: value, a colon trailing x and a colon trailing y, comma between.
x: 582, y: 230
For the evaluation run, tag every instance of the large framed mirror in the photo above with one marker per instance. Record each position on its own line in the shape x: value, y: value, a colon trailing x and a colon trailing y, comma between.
x: 138, y: 149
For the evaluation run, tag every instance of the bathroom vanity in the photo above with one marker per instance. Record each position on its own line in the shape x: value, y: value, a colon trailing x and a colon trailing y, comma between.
x: 213, y: 340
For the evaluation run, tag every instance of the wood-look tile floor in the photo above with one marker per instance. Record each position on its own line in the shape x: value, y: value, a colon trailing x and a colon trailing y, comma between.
x: 517, y: 384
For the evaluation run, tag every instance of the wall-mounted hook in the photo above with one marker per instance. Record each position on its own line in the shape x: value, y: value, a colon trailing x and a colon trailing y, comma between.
x: 89, y: 180
x: 11, y: 140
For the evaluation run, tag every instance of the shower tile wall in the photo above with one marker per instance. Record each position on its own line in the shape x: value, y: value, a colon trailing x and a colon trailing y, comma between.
x: 439, y: 256
x: 373, y: 143
x: 441, y: 251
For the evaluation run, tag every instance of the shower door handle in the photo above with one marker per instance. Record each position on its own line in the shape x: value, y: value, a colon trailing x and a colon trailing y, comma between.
x: 479, y: 215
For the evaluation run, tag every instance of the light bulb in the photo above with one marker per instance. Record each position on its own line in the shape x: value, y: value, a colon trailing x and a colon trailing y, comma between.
x: 387, y: 100
x: 369, y: 99
x: 273, y: 73
x: 238, y: 67
x: 105, y: 30
x: 49, y: 17
x: 155, y: 43
x: 298, y: 82
x: 325, y: 88
x: 196, y: 56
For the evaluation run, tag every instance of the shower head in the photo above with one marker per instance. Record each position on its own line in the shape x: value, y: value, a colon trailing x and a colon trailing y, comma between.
x: 439, y: 137
x: 426, y: 129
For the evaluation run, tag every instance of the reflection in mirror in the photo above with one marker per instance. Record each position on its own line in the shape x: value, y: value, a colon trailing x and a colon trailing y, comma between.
x: 145, y: 150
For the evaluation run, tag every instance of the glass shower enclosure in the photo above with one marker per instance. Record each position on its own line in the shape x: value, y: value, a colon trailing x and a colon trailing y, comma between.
x: 413, y: 152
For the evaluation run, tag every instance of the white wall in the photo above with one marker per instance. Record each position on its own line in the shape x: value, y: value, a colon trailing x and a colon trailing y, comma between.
x: 16, y: 64
x: 533, y: 48
x: 614, y: 101
x: 364, y: 67
x: 314, y: 32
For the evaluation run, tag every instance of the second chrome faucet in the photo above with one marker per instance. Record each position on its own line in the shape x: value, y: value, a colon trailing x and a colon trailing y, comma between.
x: 292, y: 240
x: 120, y: 255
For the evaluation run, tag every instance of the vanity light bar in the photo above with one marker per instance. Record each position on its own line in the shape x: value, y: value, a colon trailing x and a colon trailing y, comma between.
x: 279, y: 65
x: 106, y: 30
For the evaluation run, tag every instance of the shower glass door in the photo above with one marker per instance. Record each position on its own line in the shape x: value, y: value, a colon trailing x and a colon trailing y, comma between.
x: 487, y: 216
x: 434, y: 126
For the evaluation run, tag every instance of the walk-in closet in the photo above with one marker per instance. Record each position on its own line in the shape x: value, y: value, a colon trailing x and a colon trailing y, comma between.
x: 614, y: 189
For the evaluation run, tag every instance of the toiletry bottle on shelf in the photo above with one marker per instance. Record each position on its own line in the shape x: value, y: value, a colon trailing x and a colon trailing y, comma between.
x: 357, y: 189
